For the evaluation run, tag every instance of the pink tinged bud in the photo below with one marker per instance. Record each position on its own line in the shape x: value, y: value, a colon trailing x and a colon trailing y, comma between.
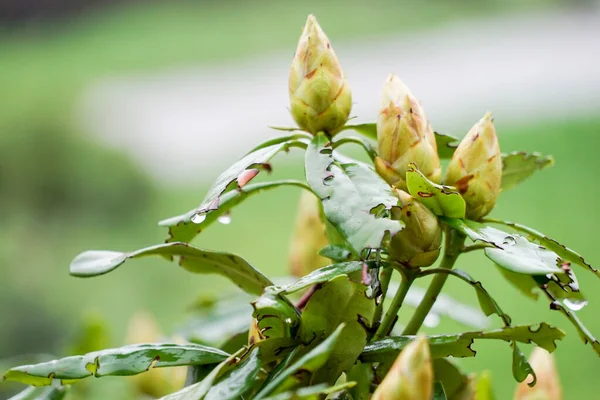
x: 404, y: 136
x: 411, y: 375
x: 476, y: 168
x: 320, y: 98
x: 548, y: 384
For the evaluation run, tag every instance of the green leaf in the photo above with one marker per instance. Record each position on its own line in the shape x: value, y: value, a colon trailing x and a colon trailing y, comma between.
x: 446, y: 144
x: 369, y: 129
x: 182, y: 229
x: 232, y: 266
x: 349, y: 194
x: 127, y: 360
x: 438, y: 391
x: 339, y: 301
x: 441, y: 200
x: 315, y: 392
x: 41, y: 393
x: 325, y: 274
x: 336, y: 252
x: 228, y: 180
x: 363, y: 375
x: 459, y: 345
x: 367, y: 147
x: 584, y: 333
x: 518, y: 166
x: 563, y: 251
x: 510, y: 251
x: 238, y: 381
x: 309, y: 363
x: 456, y: 384
x: 302, y: 137
x: 275, y: 315
x: 521, y: 368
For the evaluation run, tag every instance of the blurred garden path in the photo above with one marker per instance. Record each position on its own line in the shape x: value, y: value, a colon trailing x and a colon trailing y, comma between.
x: 525, y: 68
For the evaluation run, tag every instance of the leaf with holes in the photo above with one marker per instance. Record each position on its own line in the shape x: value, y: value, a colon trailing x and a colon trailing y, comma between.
x: 232, y: 266
x: 350, y: 193
x: 441, y: 200
x: 127, y: 360
x: 518, y: 166
x: 182, y: 229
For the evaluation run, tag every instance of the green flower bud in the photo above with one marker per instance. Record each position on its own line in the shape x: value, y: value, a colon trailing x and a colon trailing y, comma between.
x: 476, y: 168
x: 548, y: 385
x: 319, y: 93
x: 308, y: 238
x: 418, y: 244
x: 404, y: 136
x: 411, y: 376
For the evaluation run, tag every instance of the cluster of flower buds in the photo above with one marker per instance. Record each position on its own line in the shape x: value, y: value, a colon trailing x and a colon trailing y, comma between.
x: 411, y: 375
x: 319, y: 92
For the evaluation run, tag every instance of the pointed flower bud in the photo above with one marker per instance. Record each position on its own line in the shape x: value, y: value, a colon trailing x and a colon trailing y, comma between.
x: 418, y: 244
x: 308, y: 237
x: 476, y: 168
x: 411, y: 376
x: 319, y: 93
x: 548, y: 385
x: 404, y: 136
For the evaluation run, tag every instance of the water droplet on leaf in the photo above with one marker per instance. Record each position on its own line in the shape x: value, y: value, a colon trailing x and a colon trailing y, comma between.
x: 198, y: 218
x: 225, y: 219
x: 509, y: 241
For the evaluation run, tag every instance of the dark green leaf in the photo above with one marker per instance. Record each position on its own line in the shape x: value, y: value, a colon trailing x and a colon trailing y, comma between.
x: 438, y: 391
x: 182, y: 229
x: 441, y: 200
x: 339, y: 301
x: 310, y: 362
x: 127, y: 360
x: 238, y: 381
x: 349, y: 193
x: 336, y: 252
x: 564, y: 252
x: 234, y: 267
x: 363, y: 375
x: 446, y: 144
x: 456, y: 384
x: 518, y: 166
x: 520, y: 366
x: 227, y: 180
x: 325, y: 274
x: 510, y: 251
x: 369, y: 129
x: 41, y: 393
x: 459, y: 345
x: 276, y: 316
x: 312, y: 392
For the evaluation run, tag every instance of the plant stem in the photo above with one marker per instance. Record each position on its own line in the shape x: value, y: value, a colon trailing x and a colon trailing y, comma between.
x: 477, y: 246
x: 385, y: 277
x: 454, y: 244
x: 390, y: 316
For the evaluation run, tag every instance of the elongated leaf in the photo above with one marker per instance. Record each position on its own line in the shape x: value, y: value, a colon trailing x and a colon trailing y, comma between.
x: 41, y: 393
x: 444, y: 306
x: 366, y: 145
x: 368, y: 129
x: 349, y: 193
x: 459, y: 345
x: 227, y: 180
x: 339, y: 301
x: 325, y: 274
x: 301, y: 136
x: 446, y: 144
x: 232, y: 266
x: 238, y: 381
x: 510, y: 251
x: 520, y: 366
x: 182, y: 229
x: 441, y: 200
x: 310, y: 362
x: 563, y: 251
x: 518, y: 166
x: 312, y: 392
x: 127, y: 360
x: 438, y: 391
x: 457, y: 386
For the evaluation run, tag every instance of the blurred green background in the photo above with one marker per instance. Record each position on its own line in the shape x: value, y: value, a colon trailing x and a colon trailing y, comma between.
x: 63, y: 190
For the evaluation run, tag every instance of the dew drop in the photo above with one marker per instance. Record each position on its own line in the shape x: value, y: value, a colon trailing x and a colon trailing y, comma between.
x: 288, y: 320
x: 574, y: 304
x: 225, y: 219
x: 509, y: 241
x: 198, y: 218
x: 431, y: 320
